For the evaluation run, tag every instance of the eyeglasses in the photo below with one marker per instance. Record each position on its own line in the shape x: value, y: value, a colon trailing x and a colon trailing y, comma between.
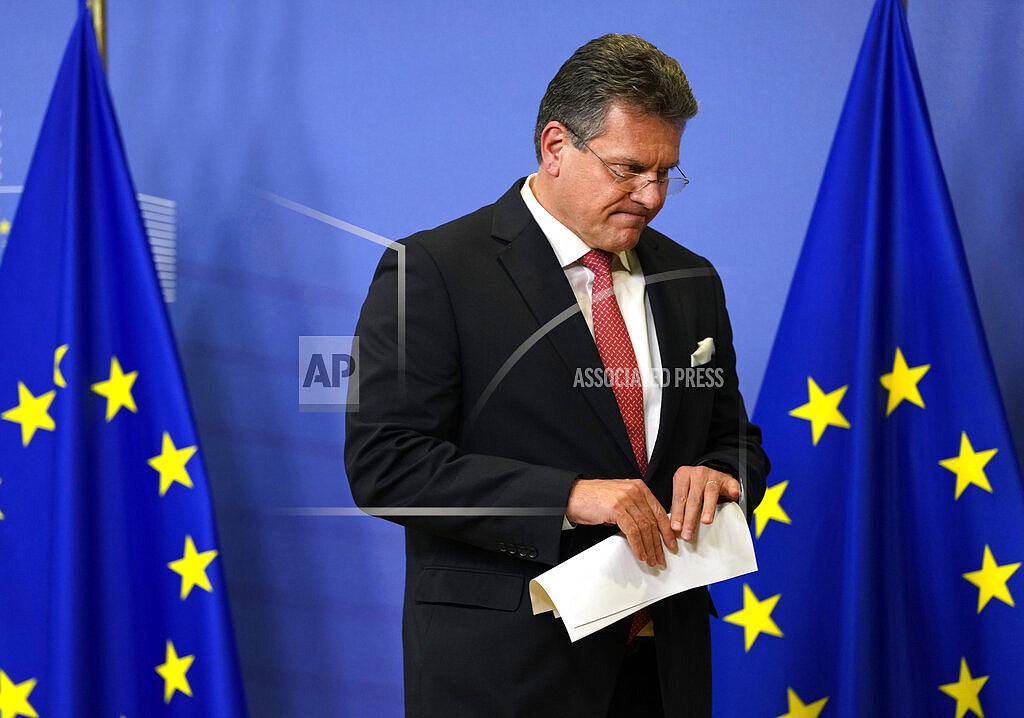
x: 630, y: 182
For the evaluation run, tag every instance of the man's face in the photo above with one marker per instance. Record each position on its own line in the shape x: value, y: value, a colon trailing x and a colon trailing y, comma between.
x: 585, y: 197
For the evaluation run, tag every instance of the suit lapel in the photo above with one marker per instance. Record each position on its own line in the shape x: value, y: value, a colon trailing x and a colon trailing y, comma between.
x: 532, y: 266
x: 672, y: 298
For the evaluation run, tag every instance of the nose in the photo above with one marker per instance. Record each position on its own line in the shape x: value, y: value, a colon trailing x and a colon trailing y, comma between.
x: 650, y: 195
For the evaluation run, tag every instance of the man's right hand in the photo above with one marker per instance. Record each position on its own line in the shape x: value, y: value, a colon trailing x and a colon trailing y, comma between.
x: 628, y: 504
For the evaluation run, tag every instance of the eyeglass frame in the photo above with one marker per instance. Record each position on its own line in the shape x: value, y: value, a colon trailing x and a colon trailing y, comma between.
x: 623, y: 176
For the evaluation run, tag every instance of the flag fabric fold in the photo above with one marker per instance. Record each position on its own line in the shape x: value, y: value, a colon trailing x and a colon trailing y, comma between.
x: 890, y: 544
x: 112, y: 598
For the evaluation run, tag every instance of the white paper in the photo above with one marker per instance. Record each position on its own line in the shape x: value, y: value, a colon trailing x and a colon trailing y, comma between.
x: 607, y: 582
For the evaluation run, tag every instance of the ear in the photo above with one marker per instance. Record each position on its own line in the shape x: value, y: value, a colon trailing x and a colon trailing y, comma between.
x: 554, y: 139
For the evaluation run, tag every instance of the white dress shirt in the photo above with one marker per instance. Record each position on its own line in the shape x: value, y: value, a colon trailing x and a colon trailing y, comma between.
x: 629, y: 285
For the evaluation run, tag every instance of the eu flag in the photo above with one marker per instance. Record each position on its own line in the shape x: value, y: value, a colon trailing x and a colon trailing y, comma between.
x: 112, y: 601
x: 890, y: 546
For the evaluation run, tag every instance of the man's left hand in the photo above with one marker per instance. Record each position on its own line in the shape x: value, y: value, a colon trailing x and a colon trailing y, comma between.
x: 696, y: 490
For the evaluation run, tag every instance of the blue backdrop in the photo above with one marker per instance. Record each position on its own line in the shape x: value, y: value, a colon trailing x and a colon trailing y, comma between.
x: 397, y: 116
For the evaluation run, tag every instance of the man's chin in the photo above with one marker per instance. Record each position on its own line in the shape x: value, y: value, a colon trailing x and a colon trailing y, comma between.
x: 623, y: 240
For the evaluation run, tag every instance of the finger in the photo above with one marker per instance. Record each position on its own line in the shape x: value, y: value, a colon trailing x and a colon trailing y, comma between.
x: 664, y: 526
x: 712, y: 490
x: 692, y: 508
x: 627, y: 518
x: 639, y: 539
x: 632, y: 534
x: 680, y: 490
x: 654, y: 531
x: 644, y: 509
x: 731, y: 488
x: 647, y: 527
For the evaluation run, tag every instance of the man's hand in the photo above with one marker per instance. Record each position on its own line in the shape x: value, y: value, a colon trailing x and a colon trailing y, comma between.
x: 696, y: 490
x: 628, y: 504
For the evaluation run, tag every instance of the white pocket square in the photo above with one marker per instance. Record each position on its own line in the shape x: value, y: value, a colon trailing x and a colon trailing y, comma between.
x: 705, y: 352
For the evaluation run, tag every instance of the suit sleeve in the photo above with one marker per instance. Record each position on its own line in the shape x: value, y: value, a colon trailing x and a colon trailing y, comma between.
x: 401, y: 449
x: 733, y: 441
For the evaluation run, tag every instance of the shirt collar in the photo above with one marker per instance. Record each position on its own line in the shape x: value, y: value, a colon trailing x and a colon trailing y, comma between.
x: 568, y: 247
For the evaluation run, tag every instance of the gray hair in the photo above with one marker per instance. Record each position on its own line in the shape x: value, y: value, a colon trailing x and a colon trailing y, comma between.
x: 614, y: 68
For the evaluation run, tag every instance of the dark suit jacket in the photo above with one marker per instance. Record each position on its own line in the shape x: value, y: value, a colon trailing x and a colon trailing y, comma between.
x: 470, y: 406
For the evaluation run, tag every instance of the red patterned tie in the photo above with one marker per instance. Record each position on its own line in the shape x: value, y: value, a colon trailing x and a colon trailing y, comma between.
x: 619, y: 360
x: 616, y: 351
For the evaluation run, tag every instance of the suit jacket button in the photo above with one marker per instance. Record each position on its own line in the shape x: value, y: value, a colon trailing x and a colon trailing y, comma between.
x: 522, y: 551
x: 501, y: 546
x: 532, y: 553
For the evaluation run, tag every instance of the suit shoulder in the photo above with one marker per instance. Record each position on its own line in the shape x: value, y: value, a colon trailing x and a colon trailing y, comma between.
x: 473, y: 224
x: 482, y: 232
x: 676, y: 252
x: 456, y: 240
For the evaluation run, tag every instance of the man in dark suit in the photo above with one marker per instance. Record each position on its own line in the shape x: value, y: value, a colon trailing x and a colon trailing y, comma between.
x: 538, y: 375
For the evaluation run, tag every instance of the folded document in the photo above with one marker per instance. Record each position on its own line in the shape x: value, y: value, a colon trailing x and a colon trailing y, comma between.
x: 607, y: 582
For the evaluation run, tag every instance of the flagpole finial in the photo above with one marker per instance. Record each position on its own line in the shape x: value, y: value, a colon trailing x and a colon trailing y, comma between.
x: 99, y: 25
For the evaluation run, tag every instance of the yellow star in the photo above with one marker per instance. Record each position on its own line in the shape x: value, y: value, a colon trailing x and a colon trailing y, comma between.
x: 171, y: 464
x: 966, y: 691
x: 173, y: 671
x: 969, y: 466
x: 192, y: 568
x: 31, y: 413
x: 58, y: 376
x: 5, y: 226
x: 991, y: 580
x: 902, y: 382
x: 117, y: 389
x: 755, y: 617
x: 798, y: 709
x: 822, y: 409
x: 770, y: 508
x: 14, y: 697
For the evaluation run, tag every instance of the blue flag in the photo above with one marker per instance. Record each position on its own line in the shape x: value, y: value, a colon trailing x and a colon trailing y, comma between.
x: 112, y: 601
x: 891, y: 543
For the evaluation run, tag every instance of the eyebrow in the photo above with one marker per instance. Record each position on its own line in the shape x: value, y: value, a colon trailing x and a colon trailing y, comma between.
x: 633, y: 162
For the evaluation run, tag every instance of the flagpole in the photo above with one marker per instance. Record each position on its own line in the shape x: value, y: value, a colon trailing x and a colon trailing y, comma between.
x: 99, y: 24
